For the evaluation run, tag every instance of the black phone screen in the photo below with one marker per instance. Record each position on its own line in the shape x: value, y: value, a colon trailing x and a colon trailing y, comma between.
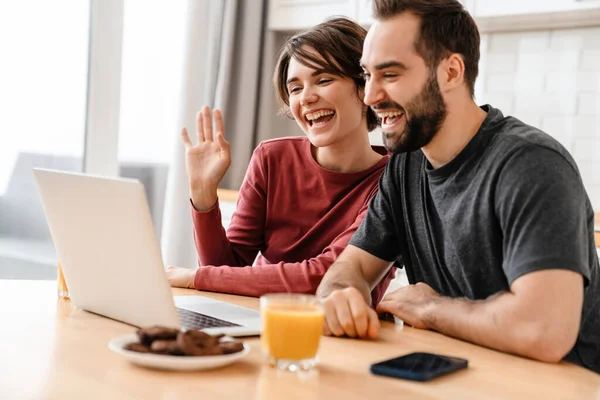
x: 419, y: 366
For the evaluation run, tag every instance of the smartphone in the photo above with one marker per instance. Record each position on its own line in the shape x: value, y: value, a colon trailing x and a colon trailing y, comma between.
x: 419, y: 366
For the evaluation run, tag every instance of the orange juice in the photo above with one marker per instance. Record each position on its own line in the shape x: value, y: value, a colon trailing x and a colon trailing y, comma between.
x: 292, y: 332
x: 292, y: 328
x: 63, y: 290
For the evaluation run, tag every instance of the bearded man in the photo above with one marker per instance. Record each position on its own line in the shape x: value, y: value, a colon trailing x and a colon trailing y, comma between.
x: 488, y: 215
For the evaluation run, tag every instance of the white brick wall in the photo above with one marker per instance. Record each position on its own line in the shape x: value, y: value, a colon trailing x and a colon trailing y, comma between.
x: 589, y: 104
x: 590, y: 59
x: 550, y: 79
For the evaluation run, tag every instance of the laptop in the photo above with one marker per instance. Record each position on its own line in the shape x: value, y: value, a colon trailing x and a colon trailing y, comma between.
x: 111, y: 259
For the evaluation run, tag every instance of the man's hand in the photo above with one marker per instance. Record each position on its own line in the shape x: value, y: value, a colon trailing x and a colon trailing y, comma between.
x: 410, y: 304
x: 181, y: 277
x: 347, y: 313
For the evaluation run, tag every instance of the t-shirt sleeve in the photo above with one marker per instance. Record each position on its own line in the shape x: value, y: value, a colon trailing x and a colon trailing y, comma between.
x: 541, y: 205
x: 378, y: 232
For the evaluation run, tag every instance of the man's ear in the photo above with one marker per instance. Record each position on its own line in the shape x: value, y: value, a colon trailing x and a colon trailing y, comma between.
x: 451, y: 72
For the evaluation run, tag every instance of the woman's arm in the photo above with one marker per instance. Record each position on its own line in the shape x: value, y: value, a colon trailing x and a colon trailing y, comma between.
x: 298, y: 277
x: 245, y: 237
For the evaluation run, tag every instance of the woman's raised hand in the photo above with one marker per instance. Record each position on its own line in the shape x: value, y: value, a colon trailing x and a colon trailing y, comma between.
x: 207, y: 161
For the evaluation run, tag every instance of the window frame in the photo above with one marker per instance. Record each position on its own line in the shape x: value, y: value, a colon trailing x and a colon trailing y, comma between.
x: 104, y: 88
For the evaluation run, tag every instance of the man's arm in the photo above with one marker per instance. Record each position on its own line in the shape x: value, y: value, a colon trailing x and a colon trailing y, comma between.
x: 345, y: 291
x: 345, y: 287
x: 538, y: 318
x: 354, y: 268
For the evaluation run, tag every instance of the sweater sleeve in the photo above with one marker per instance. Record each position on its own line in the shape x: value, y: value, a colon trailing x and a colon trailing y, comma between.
x: 244, y: 238
x: 298, y: 277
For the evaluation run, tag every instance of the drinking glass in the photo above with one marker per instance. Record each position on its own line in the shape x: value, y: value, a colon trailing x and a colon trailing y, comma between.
x: 63, y: 290
x: 292, y: 328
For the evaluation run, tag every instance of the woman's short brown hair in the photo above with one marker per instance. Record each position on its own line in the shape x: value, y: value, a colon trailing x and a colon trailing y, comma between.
x: 339, y: 41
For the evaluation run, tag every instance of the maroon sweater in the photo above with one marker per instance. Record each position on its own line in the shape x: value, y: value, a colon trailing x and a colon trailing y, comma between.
x: 297, y: 214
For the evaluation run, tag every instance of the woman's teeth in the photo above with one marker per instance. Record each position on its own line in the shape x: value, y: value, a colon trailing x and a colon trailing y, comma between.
x: 319, y: 118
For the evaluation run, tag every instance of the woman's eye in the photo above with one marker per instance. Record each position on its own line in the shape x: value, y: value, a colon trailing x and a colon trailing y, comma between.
x: 294, y: 89
x: 366, y: 76
x: 325, y: 80
x: 390, y: 75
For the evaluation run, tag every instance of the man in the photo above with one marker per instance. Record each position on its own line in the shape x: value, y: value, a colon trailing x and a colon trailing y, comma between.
x: 488, y: 215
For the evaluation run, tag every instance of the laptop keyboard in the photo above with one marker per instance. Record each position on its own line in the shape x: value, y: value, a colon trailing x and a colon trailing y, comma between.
x: 194, y: 320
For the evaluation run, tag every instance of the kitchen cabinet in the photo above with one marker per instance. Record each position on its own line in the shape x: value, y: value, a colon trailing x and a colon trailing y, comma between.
x: 294, y: 15
x: 490, y: 15
x: 364, y: 16
x: 493, y: 8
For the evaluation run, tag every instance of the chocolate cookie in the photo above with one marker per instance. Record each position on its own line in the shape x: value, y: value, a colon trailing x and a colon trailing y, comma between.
x: 198, y: 343
x: 231, y: 347
x: 137, y: 347
x: 203, y: 339
x: 169, y: 347
x: 149, y: 335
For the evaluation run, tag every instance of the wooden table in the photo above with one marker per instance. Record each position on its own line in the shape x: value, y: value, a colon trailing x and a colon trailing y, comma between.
x: 52, y: 350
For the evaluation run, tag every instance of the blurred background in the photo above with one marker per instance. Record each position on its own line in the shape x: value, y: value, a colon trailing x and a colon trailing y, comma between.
x: 104, y: 87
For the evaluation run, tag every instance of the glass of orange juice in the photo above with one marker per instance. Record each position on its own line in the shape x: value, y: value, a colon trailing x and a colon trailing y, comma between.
x: 63, y: 290
x: 292, y: 328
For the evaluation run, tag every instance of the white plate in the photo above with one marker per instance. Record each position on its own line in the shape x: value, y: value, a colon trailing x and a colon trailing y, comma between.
x: 174, y: 363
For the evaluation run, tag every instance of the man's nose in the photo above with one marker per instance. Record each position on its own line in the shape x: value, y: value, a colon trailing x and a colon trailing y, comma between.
x: 373, y: 93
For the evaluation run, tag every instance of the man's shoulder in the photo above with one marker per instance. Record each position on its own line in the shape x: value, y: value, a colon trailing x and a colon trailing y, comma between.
x: 513, y: 137
x: 521, y: 156
x: 517, y: 133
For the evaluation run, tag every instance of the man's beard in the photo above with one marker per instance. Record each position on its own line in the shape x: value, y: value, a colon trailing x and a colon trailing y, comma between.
x: 427, y: 113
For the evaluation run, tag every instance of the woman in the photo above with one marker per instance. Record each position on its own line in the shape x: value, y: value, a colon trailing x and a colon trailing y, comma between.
x: 302, y: 197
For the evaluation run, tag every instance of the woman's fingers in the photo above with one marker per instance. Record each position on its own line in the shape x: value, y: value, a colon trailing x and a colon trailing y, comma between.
x: 204, y: 127
x: 199, y: 127
x: 219, y: 126
x: 222, y: 142
x: 220, y: 132
x: 185, y: 138
x: 207, y: 124
x: 225, y: 152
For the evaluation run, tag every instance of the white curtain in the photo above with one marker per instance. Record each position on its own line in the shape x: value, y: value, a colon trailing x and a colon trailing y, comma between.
x: 221, y: 70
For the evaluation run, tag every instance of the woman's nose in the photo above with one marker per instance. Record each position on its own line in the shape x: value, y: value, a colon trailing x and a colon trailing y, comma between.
x: 308, y: 97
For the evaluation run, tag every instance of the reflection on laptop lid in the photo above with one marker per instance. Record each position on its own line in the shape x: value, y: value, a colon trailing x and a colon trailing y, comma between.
x: 111, y: 259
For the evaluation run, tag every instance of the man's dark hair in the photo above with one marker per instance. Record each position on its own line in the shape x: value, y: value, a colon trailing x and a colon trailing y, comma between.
x: 446, y: 27
x: 339, y: 41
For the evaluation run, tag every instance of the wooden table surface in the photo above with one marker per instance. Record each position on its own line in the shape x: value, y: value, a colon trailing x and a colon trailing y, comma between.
x: 53, y: 350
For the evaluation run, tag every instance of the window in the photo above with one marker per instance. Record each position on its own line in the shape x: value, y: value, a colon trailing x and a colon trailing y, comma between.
x: 43, y: 76
x: 153, y: 46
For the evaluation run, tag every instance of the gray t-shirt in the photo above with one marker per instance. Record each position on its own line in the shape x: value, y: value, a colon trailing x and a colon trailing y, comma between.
x: 512, y: 202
